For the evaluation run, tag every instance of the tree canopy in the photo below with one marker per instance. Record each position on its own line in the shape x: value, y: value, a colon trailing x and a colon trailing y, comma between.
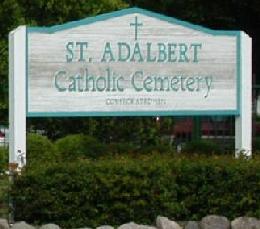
x: 43, y: 13
x: 224, y: 15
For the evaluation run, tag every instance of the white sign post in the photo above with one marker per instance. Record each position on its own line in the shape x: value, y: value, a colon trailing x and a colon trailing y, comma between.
x: 128, y: 63
x: 243, y: 125
x: 17, y: 97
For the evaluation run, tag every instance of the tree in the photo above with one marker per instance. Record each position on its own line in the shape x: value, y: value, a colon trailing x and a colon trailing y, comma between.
x: 49, y: 12
x: 41, y: 12
x: 10, y: 17
x: 224, y: 15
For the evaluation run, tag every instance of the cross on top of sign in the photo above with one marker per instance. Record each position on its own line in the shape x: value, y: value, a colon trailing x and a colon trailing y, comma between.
x: 136, y: 25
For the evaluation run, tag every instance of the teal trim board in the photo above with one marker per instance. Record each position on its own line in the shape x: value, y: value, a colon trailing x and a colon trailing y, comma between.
x: 120, y: 13
x: 137, y: 113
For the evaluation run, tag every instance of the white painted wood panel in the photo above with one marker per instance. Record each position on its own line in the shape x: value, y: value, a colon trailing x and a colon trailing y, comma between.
x: 217, y: 59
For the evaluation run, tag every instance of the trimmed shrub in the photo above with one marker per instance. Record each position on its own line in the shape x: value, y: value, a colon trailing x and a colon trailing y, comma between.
x: 79, y: 145
x: 116, y: 191
x: 40, y: 148
x: 202, y: 146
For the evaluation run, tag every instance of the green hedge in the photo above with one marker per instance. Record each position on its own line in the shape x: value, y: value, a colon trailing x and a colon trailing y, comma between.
x: 40, y: 149
x: 4, y: 187
x: 202, y: 146
x: 256, y: 145
x: 77, y: 146
x: 3, y: 159
x: 3, y: 182
x: 119, y: 190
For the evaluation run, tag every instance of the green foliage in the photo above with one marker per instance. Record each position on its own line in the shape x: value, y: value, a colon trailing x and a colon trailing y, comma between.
x: 3, y: 159
x: 10, y: 17
x: 3, y: 182
x: 202, y: 147
x: 122, y: 148
x: 119, y: 190
x: 217, y: 14
x: 137, y: 131
x: 256, y: 144
x: 133, y: 150
x: 47, y: 12
x: 82, y: 146
x: 158, y: 148
x: 75, y: 146
x: 79, y: 145
x: 40, y: 149
x: 4, y: 196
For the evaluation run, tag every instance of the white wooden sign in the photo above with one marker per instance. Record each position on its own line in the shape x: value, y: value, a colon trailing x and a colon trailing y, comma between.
x: 130, y: 62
